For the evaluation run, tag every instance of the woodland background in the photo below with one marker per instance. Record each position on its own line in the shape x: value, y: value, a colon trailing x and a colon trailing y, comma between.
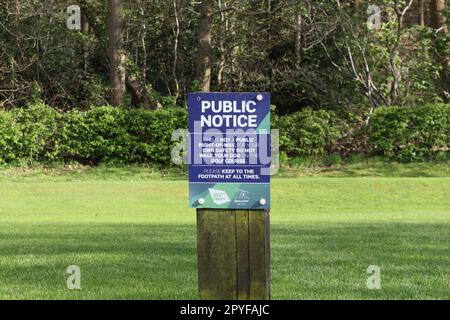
x: 339, y: 89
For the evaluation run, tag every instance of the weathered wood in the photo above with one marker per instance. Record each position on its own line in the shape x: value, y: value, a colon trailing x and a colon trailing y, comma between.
x: 242, y: 256
x: 257, y: 255
x: 233, y: 254
x: 226, y: 258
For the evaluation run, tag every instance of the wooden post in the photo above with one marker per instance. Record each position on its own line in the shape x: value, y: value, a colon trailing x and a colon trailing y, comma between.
x: 233, y: 254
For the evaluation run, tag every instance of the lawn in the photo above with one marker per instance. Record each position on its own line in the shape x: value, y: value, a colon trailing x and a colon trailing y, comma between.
x: 134, y: 237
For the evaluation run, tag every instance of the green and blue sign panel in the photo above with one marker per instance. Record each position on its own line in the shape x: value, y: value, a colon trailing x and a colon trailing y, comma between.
x: 229, y: 158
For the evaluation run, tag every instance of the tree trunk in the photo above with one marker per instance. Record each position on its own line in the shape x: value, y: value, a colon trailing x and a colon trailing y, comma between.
x: 298, y: 38
x: 116, y: 51
x: 438, y: 22
x: 437, y: 8
x: 222, y: 38
x: 175, y: 50
x: 394, y: 52
x: 85, y: 29
x: 422, y: 12
x: 204, y: 50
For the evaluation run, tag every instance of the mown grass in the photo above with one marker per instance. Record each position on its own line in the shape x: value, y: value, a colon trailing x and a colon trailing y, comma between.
x: 294, y: 168
x: 133, y: 236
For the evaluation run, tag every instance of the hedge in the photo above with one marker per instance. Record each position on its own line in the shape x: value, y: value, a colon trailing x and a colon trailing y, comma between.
x: 411, y: 134
x: 403, y: 134
x: 100, y: 135
x: 306, y: 133
x: 40, y: 134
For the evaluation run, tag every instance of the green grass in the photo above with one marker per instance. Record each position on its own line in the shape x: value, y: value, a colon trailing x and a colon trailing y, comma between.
x: 133, y: 236
x: 369, y: 169
x: 372, y: 167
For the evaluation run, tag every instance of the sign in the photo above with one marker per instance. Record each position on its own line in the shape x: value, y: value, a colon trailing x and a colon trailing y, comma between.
x: 229, y: 159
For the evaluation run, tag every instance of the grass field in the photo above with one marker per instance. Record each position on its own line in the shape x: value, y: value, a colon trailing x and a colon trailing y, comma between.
x: 132, y: 235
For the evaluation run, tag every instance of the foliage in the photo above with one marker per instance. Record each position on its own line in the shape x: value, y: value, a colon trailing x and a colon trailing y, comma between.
x: 306, y: 133
x: 41, y: 134
x: 99, y: 135
x: 37, y: 127
x: 298, y: 50
x: 9, y: 138
x: 411, y: 134
x: 152, y: 132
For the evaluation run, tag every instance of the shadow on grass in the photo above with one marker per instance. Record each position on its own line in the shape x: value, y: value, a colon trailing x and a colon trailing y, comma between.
x: 315, y: 261
x: 322, y: 261
x: 382, y: 169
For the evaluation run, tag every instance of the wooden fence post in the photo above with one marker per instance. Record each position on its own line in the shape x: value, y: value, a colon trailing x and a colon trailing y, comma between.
x: 233, y: 254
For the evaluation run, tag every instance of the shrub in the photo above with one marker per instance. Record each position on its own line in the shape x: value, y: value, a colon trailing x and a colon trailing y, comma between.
x: 306, y: 133
x: 410, y: 134
x: 116, y: 135
x: 98, y: 135
x: 9, y: 138
x: 152, y: 131
x: 37, y: 128
x: 330, y: 160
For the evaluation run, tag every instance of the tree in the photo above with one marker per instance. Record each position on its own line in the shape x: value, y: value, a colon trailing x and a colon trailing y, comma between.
x: 438, y: 22
x: 316, y: 54
x: 421, y: 12
x: 394, y: 51
x: 204, y: 50
x: 116, y: 51
x: 437, y: 8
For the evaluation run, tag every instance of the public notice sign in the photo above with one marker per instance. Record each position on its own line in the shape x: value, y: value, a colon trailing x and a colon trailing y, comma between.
x: 229, y: 159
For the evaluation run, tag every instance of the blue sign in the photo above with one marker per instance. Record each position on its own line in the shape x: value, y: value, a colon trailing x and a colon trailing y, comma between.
x: 229, y: 138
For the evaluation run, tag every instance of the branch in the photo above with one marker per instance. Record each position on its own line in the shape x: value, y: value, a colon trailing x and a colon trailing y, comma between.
x: 256, y: 13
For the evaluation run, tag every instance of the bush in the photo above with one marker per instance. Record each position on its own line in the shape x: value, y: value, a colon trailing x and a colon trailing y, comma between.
x: 37, y: 128
x: 152, y: 132
x: 99, y: 135
x: 116, y: 135
x: 411, y: 134
x: 306, y: 133
x: 9, y: 138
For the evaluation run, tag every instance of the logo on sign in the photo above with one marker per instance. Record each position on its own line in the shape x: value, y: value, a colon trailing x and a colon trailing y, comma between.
x: 242, y: 197
x: 219, y: 197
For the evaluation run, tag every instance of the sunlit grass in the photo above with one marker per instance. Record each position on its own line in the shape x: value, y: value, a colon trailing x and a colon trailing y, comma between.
x: 136, y: 238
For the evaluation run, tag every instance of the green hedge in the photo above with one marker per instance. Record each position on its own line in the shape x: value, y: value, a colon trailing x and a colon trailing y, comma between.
x: 404, y: 134
x: 306, y: 133
x: 40, y: 134
x: 9, y: 138
x: 411, y: 134
x: 100, y: 135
